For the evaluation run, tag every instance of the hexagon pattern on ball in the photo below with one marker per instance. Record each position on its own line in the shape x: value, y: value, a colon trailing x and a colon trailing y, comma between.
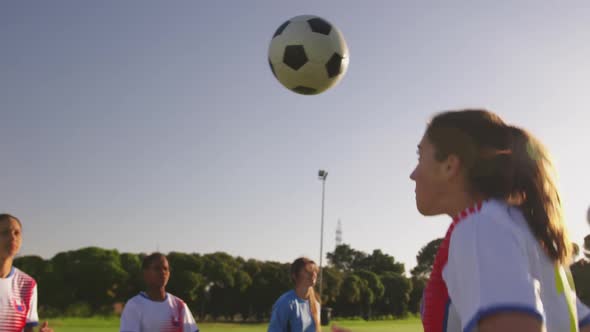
x: 308, y: 55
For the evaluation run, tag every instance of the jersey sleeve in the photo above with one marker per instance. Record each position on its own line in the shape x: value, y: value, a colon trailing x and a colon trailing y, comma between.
x: 583, y: 314
x: 32, y: 315
x: 279, y: 318
x: 487, y: 273
x: 130, y: 318
x: 189, y: 324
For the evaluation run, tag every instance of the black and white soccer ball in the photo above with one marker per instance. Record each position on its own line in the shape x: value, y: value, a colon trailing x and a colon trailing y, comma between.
x: 308, y: 55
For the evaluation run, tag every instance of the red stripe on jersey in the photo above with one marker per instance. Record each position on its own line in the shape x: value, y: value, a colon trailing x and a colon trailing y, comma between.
x: 436, y: 296
x: 179, y: 320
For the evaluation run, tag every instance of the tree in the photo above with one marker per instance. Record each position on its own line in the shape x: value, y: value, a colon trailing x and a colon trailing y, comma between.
x: 57, y: 294
x: 379, y: 263
x: 373, y: 291
x: 131, y: 264
x: 331, y: 282
x: 425, y: 259
x: 237, y: 296
x: 185, y: 262
x: 344, y: 258
x: 418, y: 285
x: 94, y: 275
x: 252, y: 267
x: 219, y: 268
x: 397, y: 294
x: 90, y: 277
x: 350, y: 296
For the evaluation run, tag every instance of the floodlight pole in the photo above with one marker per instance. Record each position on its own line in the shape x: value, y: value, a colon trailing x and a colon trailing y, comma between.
x: 322, y: 175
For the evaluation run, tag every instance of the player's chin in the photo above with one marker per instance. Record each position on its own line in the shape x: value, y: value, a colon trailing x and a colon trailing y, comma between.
x: 13, y: 250
x: 161, y: 282
x: 425, y: 210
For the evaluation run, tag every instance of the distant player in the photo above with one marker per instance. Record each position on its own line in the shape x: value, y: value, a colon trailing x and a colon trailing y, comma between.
x: 18, y: 291
x: 503, y: 265
x: 298, y: 310
x: 155, y: 310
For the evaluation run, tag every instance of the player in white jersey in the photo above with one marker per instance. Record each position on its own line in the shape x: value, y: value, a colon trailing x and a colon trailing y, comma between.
x: 18, y: 291
x: 155, y: 310
x: 504, y: 263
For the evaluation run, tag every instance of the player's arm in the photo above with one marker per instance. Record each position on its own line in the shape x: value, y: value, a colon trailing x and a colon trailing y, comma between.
x: 130, y: 318
x: 189, y: 323
x: 33, y: 317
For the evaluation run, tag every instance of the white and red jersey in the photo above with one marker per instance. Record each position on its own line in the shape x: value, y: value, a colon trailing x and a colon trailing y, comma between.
x: 18, y: 301
x: 490, y: 262
x: 141, y: 314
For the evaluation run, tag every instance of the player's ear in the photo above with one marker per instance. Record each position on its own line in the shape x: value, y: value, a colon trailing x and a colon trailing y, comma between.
x: 452, y: 166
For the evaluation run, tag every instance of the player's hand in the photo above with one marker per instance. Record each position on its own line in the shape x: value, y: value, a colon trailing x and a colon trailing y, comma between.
x: 339, y: 329
x: 45, y: 327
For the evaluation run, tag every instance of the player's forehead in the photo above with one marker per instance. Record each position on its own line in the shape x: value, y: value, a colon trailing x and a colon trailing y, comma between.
x: 159, y: 262
x: 425, y: 144
x: 310, y: 267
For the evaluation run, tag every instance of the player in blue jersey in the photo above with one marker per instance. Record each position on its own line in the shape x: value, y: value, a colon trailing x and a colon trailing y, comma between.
x: 298, y: 310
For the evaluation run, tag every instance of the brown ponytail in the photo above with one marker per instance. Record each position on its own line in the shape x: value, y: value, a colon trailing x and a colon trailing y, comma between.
x: 315, y: 310
x: 537, y: 196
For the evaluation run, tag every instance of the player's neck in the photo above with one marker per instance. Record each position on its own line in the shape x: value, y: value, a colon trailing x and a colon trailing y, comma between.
x: 302, y: 292
x: 156, y: 294
x: 5, y: 267
x: 463, y: 201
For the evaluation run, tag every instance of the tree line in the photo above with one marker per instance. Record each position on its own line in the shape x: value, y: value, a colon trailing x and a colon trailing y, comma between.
x: 218, y: 286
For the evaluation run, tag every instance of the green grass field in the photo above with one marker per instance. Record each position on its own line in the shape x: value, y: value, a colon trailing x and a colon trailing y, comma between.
x: 112, y: 325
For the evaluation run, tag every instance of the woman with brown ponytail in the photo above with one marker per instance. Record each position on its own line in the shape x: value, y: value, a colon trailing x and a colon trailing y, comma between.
x: 298, y: 310
x: 503, y: 264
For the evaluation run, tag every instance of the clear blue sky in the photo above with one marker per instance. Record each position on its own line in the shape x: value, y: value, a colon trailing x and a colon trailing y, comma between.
x: 139, y: 125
